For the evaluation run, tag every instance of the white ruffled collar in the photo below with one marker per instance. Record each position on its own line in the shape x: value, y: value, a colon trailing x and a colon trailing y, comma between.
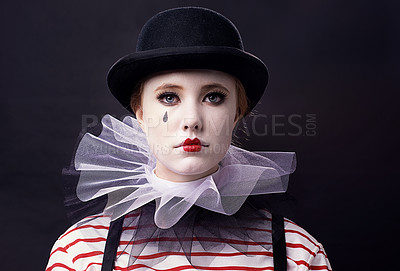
x: 118, y: 163
x: 179, y: 189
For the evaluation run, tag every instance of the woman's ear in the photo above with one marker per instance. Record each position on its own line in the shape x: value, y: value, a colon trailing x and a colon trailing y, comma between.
x: 235, y: 124
x: 236, y: 118
x: 139, y: 118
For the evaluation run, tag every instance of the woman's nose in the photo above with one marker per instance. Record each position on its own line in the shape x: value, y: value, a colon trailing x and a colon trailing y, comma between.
x: 192, y: 120
x: 193, y: 126
x: 192, y: 123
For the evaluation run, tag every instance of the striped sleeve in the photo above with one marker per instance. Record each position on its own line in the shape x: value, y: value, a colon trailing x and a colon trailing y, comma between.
x: 320, y: 261
x: 59, y: 259
x: 304, y: 252
x: 81, y: 246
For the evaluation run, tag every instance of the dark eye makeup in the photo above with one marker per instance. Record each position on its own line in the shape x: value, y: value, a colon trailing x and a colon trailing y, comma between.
x: 170, y: 98
x: 215, y: 97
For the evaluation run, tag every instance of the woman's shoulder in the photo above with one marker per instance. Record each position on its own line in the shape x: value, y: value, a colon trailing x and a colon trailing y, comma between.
x: 303, y: 250
x: 82, y: 245
x: 294, y: 232
x: 85, y: 238
x: 87, y: 228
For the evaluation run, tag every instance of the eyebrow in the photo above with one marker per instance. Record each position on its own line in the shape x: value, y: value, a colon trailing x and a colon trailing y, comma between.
x: 211, y: 86
x: 167, y: 86
x: 205, y: 88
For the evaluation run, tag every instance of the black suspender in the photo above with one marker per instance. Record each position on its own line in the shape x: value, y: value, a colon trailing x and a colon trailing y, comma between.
x: 278, y: 244
x: 112, y: 243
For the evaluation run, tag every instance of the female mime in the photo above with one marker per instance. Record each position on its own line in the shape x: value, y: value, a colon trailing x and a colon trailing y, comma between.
x: 165, y: 189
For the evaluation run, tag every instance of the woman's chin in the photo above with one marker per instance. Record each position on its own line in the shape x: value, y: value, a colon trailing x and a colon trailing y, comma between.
x: 194, y: 166
x: 190, y: 167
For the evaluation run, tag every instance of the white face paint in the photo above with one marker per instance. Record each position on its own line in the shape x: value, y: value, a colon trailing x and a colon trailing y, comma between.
x: 200, y: 106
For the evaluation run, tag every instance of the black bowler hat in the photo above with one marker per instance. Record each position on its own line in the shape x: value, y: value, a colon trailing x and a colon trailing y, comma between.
x: 188, y: 38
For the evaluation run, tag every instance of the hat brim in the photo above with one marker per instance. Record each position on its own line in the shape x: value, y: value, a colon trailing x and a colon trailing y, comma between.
x: 124, y: 75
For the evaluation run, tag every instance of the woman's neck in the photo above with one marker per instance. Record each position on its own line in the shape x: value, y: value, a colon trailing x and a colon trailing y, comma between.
x: 164, y: 173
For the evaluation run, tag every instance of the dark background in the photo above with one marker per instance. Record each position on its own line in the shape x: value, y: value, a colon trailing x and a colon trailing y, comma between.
x: 334, y: 59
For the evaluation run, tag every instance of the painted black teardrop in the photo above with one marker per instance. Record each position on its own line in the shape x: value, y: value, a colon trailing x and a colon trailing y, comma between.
x: 165, y: 117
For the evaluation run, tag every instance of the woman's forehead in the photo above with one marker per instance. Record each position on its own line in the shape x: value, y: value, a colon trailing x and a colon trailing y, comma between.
x: 192, y: 76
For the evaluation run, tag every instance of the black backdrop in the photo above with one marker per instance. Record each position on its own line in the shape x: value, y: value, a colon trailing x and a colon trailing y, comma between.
x: 331, y: 99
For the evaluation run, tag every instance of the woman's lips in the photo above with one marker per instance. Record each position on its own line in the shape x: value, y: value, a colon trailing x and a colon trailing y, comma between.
x: 192, y: 145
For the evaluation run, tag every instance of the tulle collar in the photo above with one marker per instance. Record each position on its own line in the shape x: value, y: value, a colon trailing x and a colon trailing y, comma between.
x: 119, y: 164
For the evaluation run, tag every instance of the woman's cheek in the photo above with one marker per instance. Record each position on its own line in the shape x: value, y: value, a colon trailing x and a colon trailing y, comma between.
x: 220, y: 127
x: 157, y: 144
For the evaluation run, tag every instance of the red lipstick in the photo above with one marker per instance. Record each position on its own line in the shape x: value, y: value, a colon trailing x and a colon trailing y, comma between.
x: 192, y: 145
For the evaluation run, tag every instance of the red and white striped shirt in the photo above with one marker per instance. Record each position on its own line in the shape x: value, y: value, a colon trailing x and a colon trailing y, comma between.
x: 81, y: 248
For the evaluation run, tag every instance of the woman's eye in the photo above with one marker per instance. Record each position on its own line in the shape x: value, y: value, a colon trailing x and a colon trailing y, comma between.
x: 215, y: 97
x: 168, y: 98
